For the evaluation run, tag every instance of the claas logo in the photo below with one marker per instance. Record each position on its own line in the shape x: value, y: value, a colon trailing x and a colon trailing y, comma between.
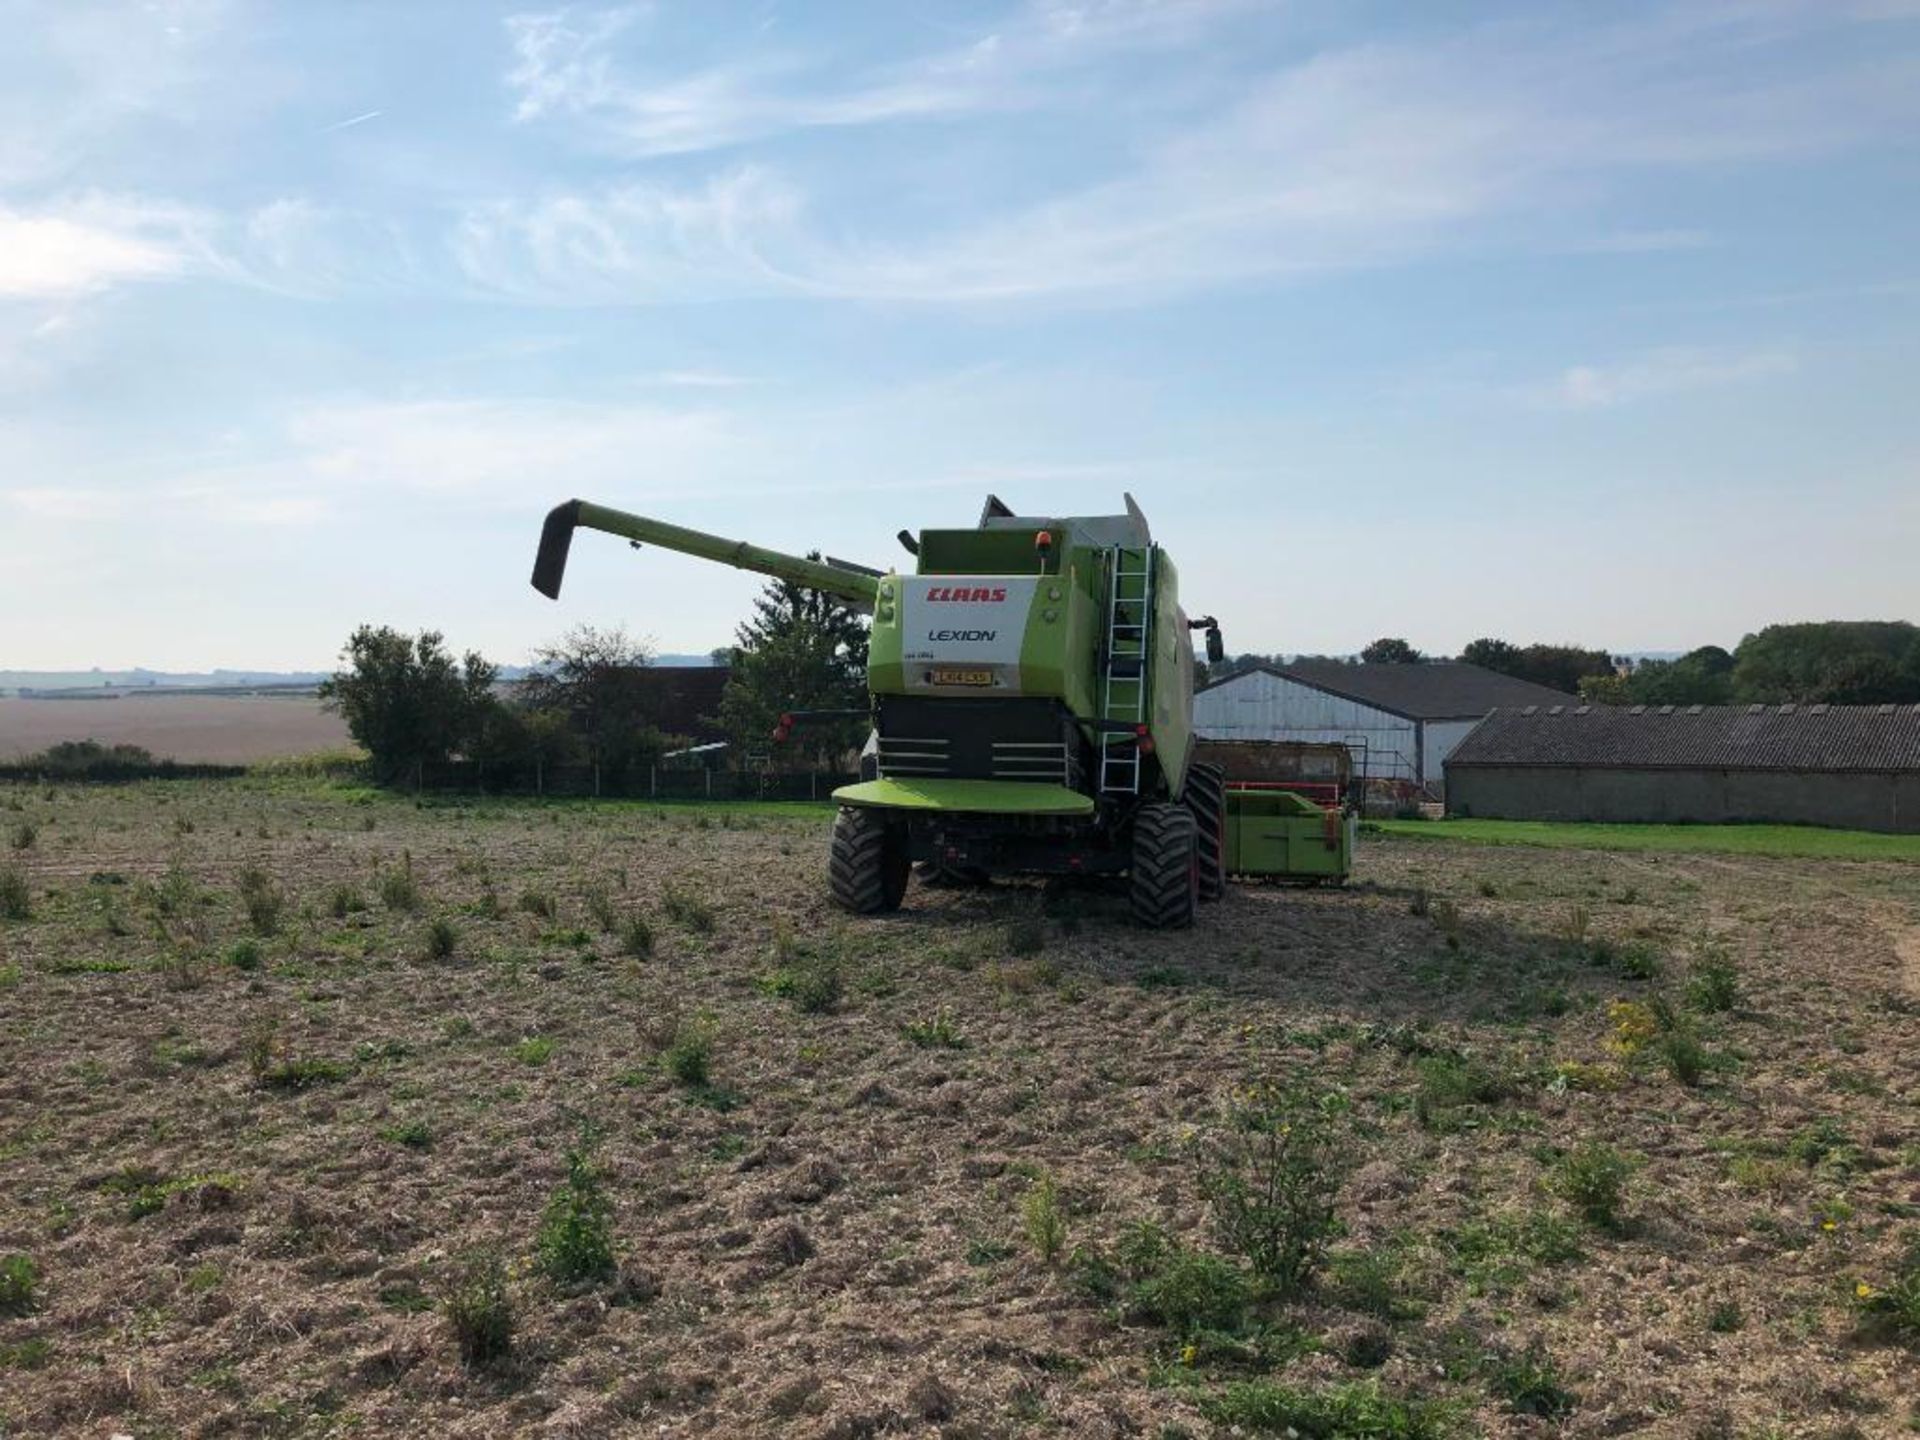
x: 974, y: 594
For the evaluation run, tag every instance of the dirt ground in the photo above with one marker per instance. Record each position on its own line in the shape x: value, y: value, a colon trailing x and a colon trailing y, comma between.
x: 246, y: 1155
x: 203, y: 729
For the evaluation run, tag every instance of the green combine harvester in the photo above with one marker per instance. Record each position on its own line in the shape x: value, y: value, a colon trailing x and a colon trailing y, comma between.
x: 1031, y: 697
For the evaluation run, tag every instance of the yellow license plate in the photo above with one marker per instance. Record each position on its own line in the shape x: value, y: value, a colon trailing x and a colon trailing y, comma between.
x: 948, y: 675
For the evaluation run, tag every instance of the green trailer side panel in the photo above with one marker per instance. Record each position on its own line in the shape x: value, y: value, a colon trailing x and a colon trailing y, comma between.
x: 974, y: 797
x: 1274, y: 832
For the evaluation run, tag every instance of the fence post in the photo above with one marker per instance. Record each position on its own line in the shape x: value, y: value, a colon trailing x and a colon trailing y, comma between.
x: 653, y: 781
x: 709, y: 784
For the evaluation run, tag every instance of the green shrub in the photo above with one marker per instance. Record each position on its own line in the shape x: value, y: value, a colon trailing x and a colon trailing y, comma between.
x: 244, y: 954
x: 263, y: 901
x: 600, y: 909
x: 540, y: 903
x: 1189, y: 1290
x: 576, y: 1232
x: 636, y: 937
x: 16, y: 900
x: 19, y: 1277
x: 935, y: 1032
x: 1452, y: 1082
x: 398, y: 889
x: 442, y: 939
x: 1530, y: 1383
x: 479, y: 1309
x: 22, y: 836
x: 1682, y: 1053
x: 1593, y: 1179
x: 1725, y: 1317
x: 344, y: 900
x: 1714, y: 985
x: 687, y: 908
x: 1271, y: 1173
x: 689, y: 1055
x: 534, y: 1050
x: 414, y: 1134
x: 1043, y: 1220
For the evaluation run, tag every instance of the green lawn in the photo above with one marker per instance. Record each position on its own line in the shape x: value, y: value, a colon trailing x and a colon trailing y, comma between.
x: 1783, y: 840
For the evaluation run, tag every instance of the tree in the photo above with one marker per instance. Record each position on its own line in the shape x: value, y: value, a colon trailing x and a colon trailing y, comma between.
x: 1491, y: 654
x: 406, y: 700
x: 1826, y: 661
x: 596, y: 681
x: 1390, y: 651
x: 800, y: 650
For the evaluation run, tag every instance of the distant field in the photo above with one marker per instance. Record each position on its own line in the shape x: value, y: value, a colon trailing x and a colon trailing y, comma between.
x: 203, y: 728
x: 1776, y: 840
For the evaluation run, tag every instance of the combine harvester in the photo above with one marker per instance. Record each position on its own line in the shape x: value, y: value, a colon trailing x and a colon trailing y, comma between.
x: 1031, y: 696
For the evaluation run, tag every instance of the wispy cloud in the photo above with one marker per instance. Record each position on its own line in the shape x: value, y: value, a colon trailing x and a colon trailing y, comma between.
x: 1363, y: 156
x: 351, y: 121
x: 1660, y: 373
x: 570, y: 64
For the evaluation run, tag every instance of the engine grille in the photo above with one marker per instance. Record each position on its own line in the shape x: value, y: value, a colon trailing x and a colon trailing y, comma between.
x: 1024, y: 739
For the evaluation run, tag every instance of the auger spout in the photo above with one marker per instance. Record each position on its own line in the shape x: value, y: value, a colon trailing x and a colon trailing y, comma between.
x: 855, y: 586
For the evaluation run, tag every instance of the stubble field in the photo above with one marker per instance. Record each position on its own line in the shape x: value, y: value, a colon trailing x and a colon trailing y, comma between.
x: 1622, y: 1143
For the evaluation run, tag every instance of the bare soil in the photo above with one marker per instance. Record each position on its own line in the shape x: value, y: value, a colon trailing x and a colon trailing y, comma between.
x: 826, y: 1239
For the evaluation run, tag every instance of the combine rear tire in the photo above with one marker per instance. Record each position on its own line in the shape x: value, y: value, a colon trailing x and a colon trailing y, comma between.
x: 1164, y: 883
x: 1206, y: 797
x: 867, y: 866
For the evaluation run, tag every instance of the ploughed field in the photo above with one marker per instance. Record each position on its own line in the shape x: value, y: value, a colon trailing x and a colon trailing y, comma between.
x: 201, y: 728
x: 1615, y: 1143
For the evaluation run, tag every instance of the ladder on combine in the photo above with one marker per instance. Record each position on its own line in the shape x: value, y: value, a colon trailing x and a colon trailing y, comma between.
x: 1123, y: 685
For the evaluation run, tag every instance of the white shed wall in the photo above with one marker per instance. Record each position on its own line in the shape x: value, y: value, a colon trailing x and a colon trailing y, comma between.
x: 1259, y: 706
x: 1442, y: 736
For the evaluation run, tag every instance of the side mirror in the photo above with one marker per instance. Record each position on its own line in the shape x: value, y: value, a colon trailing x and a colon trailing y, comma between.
x: 1216, y: 647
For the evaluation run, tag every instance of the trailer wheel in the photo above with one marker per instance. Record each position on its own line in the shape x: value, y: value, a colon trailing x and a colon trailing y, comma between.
x: 867, y: 865
x: 1164, y: 882
x: 1206, y: 797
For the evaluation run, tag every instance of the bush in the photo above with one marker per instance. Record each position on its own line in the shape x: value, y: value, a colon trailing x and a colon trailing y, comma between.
x: 1271, y: 1175
x: 16, y: 900
x: 398, y: 889
x: 442, y: 939
x: 18, y: 1278
x: 262, y: 900
x: 636, y: 937
x: 1041, y: 1217
x: 1714, y: 985
x: 686, y: 908
x: 1189, y: 1290
x: 689, y: 1057
x: 576, y: 1232
x: 244, y: 954
x: 479, y: 1309
x: 540, y: 903
x: 1593, y: 1179
x: 344, y: 900
x: 22, y: 836
x: 1530, y: 1383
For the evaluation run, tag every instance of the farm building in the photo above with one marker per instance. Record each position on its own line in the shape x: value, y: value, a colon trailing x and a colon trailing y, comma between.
x: 1400, y: 722
x: 1853, y: 766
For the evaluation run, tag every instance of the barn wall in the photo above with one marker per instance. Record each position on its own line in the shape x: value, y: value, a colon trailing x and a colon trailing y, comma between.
x: 1441, y: 737
x: 1259, y: 706
x: 1854, y: 802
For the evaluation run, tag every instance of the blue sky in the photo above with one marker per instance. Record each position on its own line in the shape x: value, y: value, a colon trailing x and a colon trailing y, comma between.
x: 1588, y: 323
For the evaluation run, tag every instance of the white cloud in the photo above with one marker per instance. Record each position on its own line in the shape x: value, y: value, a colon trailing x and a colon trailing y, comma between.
x: 1660, y: 373
x: 98, y: 245
x: 65, y: 503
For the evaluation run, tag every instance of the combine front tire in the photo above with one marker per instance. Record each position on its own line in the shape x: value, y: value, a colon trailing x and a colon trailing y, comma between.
x: 867, y: 866
x: 1164, y: 883
x: 1206, y: 797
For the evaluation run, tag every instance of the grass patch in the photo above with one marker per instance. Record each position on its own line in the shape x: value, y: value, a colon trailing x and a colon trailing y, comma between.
x: 575, y: 1242
x: 1593, y: 1180
x: 687, y: 908
x: 935, y: 1032
x: 479, y: 1309
x: 1789, y: 841
x: 16, y: 900
x: 19, y: 1280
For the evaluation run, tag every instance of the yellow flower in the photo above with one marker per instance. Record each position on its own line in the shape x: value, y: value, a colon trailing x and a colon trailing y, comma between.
x: 1826, y: 1224
x: 1863, y: 1291
x: 1187, y: 1355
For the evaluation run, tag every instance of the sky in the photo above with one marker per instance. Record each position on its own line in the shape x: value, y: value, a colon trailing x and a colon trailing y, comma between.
x: 1596, y: 324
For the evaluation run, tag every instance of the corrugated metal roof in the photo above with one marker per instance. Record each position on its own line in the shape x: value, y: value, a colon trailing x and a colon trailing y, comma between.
x: 1430, y: 690
x: 1698, y: 737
